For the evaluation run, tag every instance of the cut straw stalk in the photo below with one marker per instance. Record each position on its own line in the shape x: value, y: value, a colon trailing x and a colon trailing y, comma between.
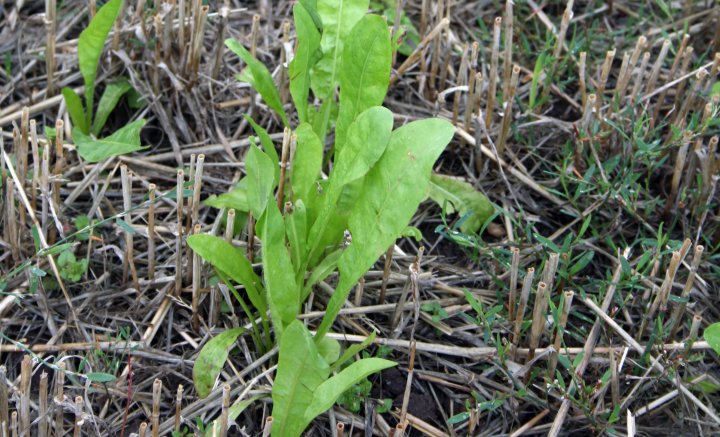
x: 59, y: 398
x: 538, y: 322
x: 689, y: 100
x: 680, y: 159
x: 581, y: 77
x: 659, y: 296
x: 462, y: 81
x: 585, y: 126
x: 35, y: 149
x: 507, y: 113
x: 567, y: 302
x: 513, y: 282
x: 670, y: 77
x: 4, y: 412
x: 655, y: 73
x: 151, y: 232
x: 602, y: 80
x: 492, y: 84
x: 25, y: 379
x: 520, y: 313
x: 78, y: 416
x: 43, y: 406
x: 179, y: 232
x: 178, y: 407
x: 196, y: 279
x: 156, y: 398
x: 436, y: 48
x: 224, y: 416
x: 508, y: 66
x: 230, y: 225
x: 640, y: 75
x: 50, y: 28
x: 126, y: 180
x: 679, y: 309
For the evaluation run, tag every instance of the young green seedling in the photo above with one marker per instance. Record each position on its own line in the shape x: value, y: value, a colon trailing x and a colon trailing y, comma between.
x: 86, y: 127
x: 340, y: 224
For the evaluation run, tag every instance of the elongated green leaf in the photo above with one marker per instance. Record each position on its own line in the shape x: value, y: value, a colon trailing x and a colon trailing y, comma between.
x: 307, y: 54
x: 352, y: 350
x: 259, y: 78
x: 300, y: 371
x: 122, y: 141
x: 307, y: 161
x: 329, y: 349
x: 311, y: 8
x: 296, y: 229
x: 392, y: 191
x: 232, y: 262
x: 259, y: 168
x: 211, y: 360
x: 282, y: 290
x: 712, y: 336
x: 235, y: 198
x: 109, y: 100
x: 100, y: 377
x: 368, y: 137
x: 329, y: 391
x: 75, y: 109
x: 338, y: 18
x: 463, y: 198
x: 267, y: 144
x: 364, y: 72
x: 90, y: 47
x: 321, y: 271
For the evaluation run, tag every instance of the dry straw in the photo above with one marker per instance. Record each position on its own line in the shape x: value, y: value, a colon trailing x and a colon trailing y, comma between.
x: 538, y: 321
x: 492, y: 84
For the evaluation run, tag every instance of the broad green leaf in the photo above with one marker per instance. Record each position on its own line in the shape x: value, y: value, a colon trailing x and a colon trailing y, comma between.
x: 122, y: 141
x: 712, y: 336
x: 338, y: 18
x: 364, y: 72
x: 232, y: 262
x: 235, y: 198
x: 109, y: 100
x: 463, y: 198
x: 306, y: 162
x: 233, y: 412
x: 296, y: 230
x: 329, y: 349
x: 90, y: 47
x: 352, y: 350
x: 311, y: 8
x: 300, y: 371
x: 282, y: 290
x: 307, y: 53
x: 259, y: 168
x: 392, y: 191
x: 75, y: 109
x: 259, y: 78
x: 368, y: 137
x: 100, y: 377
x: 211, y: 360
x: 267, y: 144
x: 329, y: 391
